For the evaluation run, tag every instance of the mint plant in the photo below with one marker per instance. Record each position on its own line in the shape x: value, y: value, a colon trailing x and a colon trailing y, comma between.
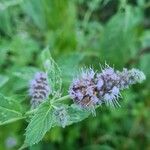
x: 50, y: 108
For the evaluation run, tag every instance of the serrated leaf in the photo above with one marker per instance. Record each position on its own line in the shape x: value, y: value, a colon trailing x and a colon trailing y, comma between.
x: 10, y: 110
x: 71, y: 114
x: 77, y: 114
x: 22, y: 77
x: 3, y: 80
x: 53, y: 71
x: 25, y: 73
x: 39, y: 124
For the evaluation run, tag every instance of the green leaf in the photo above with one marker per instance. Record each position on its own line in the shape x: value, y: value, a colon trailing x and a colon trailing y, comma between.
x: 10, y: 110
x: 21, y: 78
x: 68, y: 114
x: 3, y: 80
x: 6, y: 24
x: 77, y: 114
x: 35, y: 11
x: 39, y: 124
x: 25, y: 73
x: 23, y: 48
x: 121, y: 47
x: 145, y: 39
x: 53, y: 71
x: 144, y: 66
x: 69, y: 63
x: 4, y: 47
x: 60, y: 114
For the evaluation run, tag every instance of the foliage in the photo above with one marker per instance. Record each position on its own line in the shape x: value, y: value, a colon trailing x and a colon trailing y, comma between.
x: 74, y: 33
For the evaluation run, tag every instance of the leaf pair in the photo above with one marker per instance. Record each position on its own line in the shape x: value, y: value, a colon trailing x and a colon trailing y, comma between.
x: 44, y: 119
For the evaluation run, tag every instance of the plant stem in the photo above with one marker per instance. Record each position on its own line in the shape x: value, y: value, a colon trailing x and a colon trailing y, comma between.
x: 12, y: 120
x: 62, y: 98
x: 30, y: 112
x: 55, y: 100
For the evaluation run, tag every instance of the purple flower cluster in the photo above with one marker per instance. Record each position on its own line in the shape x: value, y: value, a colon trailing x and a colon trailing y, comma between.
x: 107, y: 86
x: 61, y: 116
x: 128, y: 77
x: 39, y: 89
x: 92, y: 88
x: 83, y: 89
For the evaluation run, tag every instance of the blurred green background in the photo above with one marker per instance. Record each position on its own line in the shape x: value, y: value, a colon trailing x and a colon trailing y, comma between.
x: 79, y: 33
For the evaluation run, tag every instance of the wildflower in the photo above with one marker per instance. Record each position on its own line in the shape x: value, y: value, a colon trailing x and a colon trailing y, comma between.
x: 39, y: 89
x: 96, y: 88
x: 83, y: 89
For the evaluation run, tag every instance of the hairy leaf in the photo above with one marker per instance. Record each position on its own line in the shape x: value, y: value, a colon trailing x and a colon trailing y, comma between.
x: 77, y: 114
x: 69, y: 114
x: 53, y: 71
x: 10, y: 110
x: 39, y: 124
x: 25, y: 73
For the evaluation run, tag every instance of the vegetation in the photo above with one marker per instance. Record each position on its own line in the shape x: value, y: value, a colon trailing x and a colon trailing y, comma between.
x: 76, y: 34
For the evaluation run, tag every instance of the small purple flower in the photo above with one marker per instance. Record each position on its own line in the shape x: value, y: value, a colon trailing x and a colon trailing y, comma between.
x: 83, y: 89
x: 129, y: 77
x: 39, y: 89
x: 61, y: 116
x: 106, y: 83
x: 91, y: 89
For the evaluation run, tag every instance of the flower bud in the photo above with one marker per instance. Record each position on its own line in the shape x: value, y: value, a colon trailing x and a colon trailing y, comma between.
x: 39, y: 89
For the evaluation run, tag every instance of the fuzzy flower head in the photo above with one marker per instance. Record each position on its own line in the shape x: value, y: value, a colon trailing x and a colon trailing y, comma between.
x: 129, y: 77
x: 39, y: 89
x: 61, y: 116
x: 93, y: 88
x: 106, y: 83
x: 83, y: 90
x: 136, y: 76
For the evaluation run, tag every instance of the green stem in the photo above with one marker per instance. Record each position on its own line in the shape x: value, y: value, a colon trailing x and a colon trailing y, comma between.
x: 62, y: 98
x: 12, y: 120
x: 30, y: 112
x: 53, y: 101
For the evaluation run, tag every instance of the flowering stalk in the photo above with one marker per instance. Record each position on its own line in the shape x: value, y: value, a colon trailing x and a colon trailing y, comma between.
x: 61, y: 115
x: 39, y: 89
x: 60, y: 99
x: 88, y: 90
x: 91, y: 89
